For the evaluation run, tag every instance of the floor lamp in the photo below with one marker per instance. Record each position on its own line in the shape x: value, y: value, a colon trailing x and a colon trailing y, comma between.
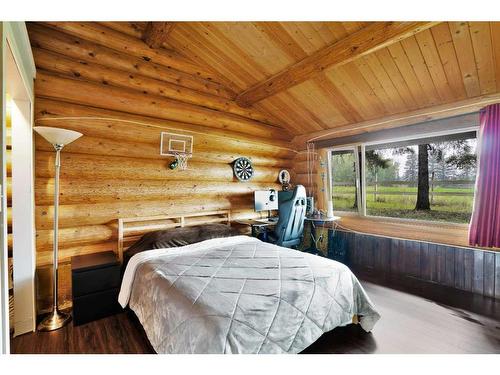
x: 58, y: 138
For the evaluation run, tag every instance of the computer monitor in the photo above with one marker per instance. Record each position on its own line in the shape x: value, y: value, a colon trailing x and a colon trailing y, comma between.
x: 265, y: 200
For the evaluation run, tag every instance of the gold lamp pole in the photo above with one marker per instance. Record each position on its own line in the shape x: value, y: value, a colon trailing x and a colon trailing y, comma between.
x: 58, y: 138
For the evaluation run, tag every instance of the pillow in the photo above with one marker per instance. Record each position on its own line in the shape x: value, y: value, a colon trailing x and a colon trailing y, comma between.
x: 160, y: 239
x: 177, y: 237
x: 209, y: 231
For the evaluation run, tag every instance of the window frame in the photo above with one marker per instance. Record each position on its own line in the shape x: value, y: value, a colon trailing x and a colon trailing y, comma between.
x: 361, y: 173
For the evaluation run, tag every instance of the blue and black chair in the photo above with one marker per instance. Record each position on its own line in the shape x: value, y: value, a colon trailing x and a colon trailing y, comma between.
x: 292, y: 211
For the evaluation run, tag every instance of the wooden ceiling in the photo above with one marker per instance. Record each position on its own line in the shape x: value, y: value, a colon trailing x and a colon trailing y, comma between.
x: 445, y: 63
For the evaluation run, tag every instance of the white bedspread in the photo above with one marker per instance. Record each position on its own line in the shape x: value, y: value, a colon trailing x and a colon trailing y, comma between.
x: 240, y: 295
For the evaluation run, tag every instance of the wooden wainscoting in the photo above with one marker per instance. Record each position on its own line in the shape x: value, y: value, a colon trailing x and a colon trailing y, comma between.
x: 472, y: 270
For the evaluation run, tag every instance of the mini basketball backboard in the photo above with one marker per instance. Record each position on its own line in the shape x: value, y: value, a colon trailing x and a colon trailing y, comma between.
x: 172, y: 144
x: 178, y: 145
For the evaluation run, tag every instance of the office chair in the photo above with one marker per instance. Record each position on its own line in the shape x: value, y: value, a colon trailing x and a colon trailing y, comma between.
x: 292, y: 211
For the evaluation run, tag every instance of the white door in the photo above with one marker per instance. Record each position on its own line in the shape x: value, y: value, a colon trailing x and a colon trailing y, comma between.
x: 23, y: 236
x: 17, y: 74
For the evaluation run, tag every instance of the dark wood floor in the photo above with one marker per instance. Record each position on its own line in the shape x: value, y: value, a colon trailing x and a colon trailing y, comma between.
x: 416, y: 318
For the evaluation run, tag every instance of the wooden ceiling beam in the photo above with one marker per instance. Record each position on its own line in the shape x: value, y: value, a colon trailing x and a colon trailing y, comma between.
x: 367, y: 40
x: 402, y: 119
x: 156, y: 33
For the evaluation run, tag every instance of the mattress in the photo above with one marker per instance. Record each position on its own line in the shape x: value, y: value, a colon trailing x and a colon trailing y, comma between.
x: 240, y: 295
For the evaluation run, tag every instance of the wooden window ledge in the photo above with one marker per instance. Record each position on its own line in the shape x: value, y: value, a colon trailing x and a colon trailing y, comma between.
x: 435, y: 232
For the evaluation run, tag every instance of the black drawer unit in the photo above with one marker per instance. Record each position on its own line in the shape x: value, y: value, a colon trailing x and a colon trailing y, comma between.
x: 96, y: 284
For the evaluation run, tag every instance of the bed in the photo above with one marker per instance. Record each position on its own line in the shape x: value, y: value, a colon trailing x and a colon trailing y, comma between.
x: 236, y: 294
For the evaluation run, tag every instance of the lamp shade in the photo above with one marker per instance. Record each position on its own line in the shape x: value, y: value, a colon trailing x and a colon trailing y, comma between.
x: 57, y: 136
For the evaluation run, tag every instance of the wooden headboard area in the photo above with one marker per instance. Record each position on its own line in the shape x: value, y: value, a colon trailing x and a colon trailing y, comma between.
x: 131, y: 229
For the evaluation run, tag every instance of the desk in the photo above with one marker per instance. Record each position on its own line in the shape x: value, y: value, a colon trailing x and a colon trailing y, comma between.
x: 259, y: 226
x: 313, y: 221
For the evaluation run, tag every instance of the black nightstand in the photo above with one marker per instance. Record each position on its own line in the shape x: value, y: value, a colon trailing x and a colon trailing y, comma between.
x: 96, y: 284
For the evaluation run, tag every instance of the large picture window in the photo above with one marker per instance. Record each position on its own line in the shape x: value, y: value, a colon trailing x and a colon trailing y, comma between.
x: 428, y: 178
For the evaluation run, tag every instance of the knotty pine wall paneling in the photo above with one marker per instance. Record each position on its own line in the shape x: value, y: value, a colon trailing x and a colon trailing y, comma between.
x: 121, y: 103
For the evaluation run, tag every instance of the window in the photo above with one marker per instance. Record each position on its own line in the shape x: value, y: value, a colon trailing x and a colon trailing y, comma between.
x: 345, y: 184
x: 428, y: 178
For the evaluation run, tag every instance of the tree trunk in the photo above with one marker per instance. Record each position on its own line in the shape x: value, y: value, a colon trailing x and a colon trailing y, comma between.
x: 432, y: 187
x: 423, y: 179
x: 355, y: 206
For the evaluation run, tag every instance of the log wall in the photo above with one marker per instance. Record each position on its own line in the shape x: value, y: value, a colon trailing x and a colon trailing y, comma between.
x: 300, y: 171
x: 121, y: 100
x: 10, y: 261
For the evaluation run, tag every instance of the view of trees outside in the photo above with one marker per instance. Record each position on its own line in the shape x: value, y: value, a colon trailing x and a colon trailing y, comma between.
x: 433, y: 181
x: 344, y: 181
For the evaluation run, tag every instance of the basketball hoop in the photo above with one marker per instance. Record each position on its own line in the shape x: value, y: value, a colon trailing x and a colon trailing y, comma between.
x: 181, y: 160
x: 180, y: 146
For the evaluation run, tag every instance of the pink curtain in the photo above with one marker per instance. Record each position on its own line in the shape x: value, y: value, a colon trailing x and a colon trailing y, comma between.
x: 485, y: 222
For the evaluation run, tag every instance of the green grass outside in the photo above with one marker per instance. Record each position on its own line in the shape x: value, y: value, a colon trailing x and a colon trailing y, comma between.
x: 443, y: 208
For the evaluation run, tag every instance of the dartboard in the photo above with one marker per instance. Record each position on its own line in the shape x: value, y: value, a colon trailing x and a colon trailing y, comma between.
x: 243, y: 169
